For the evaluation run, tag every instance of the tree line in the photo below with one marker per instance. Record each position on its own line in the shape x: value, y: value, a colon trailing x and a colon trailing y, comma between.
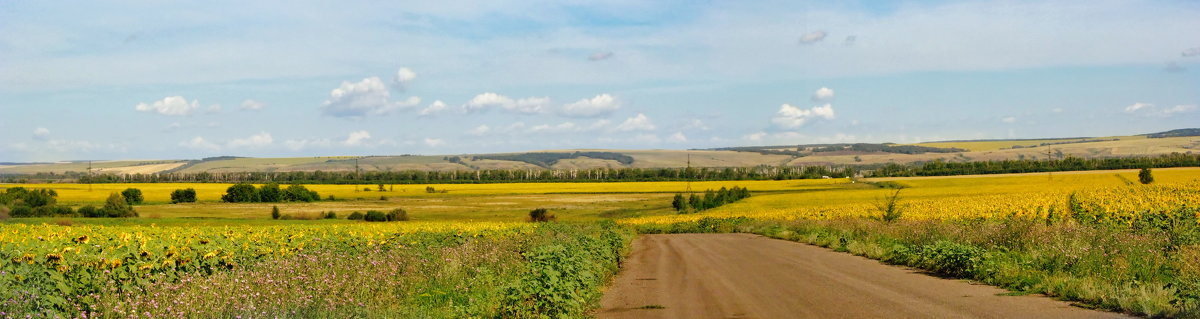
x: 22, y: 202
x: 710, y: 199
x: 1069, y: 163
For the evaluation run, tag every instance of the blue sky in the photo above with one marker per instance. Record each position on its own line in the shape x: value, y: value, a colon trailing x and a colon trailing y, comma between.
x: 151, y: 80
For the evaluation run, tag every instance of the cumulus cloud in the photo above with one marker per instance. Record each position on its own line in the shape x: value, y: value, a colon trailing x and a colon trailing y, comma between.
x: 791, y: 117
x: 755, y: 137
x: 257, y: 140
x: 605, y: 55
x: 600, y: 105
x: 485, y: 101
x: 637, y: 123
x: 1138, y: 106
x: 366, y: 97
x: 199, y: 143
x: 678, y: 137
x: 434, y: 142
x: 433, y: 108
x: 296, y: 145
x: 356, y: 138
x: 252, y: 105
x: 813, y: 37
x: 564, y: 127
x: 171, y: 106
x: 823, y: 94
x: 1191, y: 52
x: 41, y: 134
x: 403, y: 77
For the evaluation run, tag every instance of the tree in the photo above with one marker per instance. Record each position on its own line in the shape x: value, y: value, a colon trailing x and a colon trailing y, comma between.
x: 240, y: 193
x: 679, y: 203
x: 183, y: 196
x: 540, y: 215
x: 397, y: 215
x: 299, y: 193
x: 133, y: 196
x: 116, y: 206
x: 270, y: 193
x: 1145, y: 176
x: 275, y: 212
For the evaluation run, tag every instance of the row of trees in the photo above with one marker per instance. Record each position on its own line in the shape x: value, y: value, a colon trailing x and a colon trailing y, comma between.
x: 22, y: 202
x: 1070, y: 163
x: 268, y: 193
x: 710, y: 200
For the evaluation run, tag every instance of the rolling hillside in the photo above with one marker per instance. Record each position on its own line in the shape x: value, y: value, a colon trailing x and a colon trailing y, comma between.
x: 1176, y: 141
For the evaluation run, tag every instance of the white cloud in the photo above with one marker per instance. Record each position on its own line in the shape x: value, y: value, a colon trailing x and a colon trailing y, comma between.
x: 696, y: 124
x: 479, y: 130
x: 252, y: 105
x: 1138, y: 106
x: 813, y: 37
x: 366, y: 97
x: 297, y: 145
x: 433, y: 108
x: 171, y: 105
x: 791, y: 117
x: 356, y: 138
x: 434, y: 142
x: 637, y: 123
x: 1009, y: 120
x: 213, y: 109
x: 564, y: 127
x: 257, y: 140
x: 200, y: 143
x: 600, y: 56
x: 1179, y: 109
x: 403, y: 77
x: 531, y: 105
x: 41, y: 134
x: 823, y: 94
x: 600, y: 105
x: 678, y: 137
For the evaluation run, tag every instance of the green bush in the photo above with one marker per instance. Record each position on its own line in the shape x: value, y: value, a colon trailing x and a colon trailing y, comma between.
x: 331, y: 215
x: 397, y: 215
x: 183, y: 196
x: 564, y: 277
x: 275, y: 212
x: 540, y: 215
x: 240, y: 193
x: 116, y: 206
x: 90, y: 211
x: 1145, y: 176
x: 133, y: 196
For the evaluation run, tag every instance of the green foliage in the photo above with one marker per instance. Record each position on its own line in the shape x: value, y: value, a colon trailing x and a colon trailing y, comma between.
x: 133, y: 196
x: 565, y: 275
x: 270, y: 193
x: 397, y: 215
x: 330, y: 215
x: 91, y: 211
x: 183, y: 196
x: 1145, y: 176
x: 680, y: 204
x: 710, y: 200
x: 890, y: 207
x: 240, y: 193
x: 116, y: 206
x: 299, y: 193
x: 539, y: 215
x: 275, y: 212
x: 375, y: 216
x: 355, y: 216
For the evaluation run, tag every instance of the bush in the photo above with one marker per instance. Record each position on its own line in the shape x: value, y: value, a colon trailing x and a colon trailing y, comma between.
x: 274, y: 212
x: 383, y: 198
x: 299, y: 193
x: 59, y: 210
x: 270, y: 193
x: 331, y: 215
x: 133, y: 196
x: 22, y: 211
x: 183, y: 196
x: 1145, y: 176
x: 355, y: 216
x: 90, y: 212
x: 375, y: 216
x: 116, y: 206
x: 240, y: 193
x: 540, y: 215
x: 397, y: 215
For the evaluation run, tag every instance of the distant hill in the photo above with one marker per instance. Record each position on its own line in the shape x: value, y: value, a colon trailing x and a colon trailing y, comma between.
x: 1174, y: 141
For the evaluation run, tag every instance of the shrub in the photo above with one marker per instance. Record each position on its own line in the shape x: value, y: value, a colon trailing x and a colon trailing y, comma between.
x: 90, y: 211
x: 299, y: 193
x: 383, y: 198
x: 355, y: 216
x: 375, y: 216
x: 679, y: 203
x: 397, y: 215
x: 240, y: 193
x: 1145, y: 176
x: 540, y: 215
x: 430, y: 189
x: 59, y: 210
x: 133, y: 196
x: 116, y: 206
x: 183, y: 196
x: 22, y: 211
x: 331, y: 215
x: 890, y: 207
x: 270, y: 193
x: 274, y: 212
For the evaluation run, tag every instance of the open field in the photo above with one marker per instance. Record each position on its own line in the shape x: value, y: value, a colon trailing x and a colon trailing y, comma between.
x: 474, y: 230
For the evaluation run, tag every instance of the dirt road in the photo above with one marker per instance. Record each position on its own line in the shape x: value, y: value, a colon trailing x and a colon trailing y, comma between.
x: 748, y: 276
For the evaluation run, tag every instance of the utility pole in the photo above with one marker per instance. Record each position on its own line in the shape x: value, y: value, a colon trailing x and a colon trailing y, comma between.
x: 688, y: 171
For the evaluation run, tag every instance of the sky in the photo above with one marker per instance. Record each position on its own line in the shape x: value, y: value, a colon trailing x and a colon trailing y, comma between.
x: 100, y: 80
